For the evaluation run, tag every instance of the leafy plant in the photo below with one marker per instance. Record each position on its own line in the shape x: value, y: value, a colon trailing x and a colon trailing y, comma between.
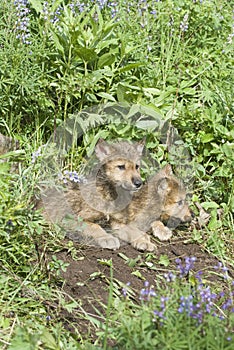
x: 181, y: 312
x: 171, y: 61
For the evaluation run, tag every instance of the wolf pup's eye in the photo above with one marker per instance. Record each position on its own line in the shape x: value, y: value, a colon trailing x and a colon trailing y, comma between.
x: 180, y: 202
x: 137, y: 166
x: 121, y: 167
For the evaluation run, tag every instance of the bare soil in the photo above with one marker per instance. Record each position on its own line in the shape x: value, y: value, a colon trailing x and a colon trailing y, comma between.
x: 86, y: 279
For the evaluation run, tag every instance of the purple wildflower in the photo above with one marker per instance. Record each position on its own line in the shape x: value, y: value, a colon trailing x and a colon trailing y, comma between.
x: 72, y: 176
x: 221, y: 267
x: 114, y: 8
x: 45, y: 10
x: 36, y: 155
x: 170, y: 277
x: 186, y: 305
x: 77, y: 7
x: 206, y: 298
x: 125, y: 289
x: 147, y: 293
x: 227, y: 304
x: 102, y: 3
x: 162, y: 309
x: 49, y: 15
x: 185, y: 269
x: 184, y: 23
x: 22, y: 24
x: 198, y: 304
x: 198, y: 276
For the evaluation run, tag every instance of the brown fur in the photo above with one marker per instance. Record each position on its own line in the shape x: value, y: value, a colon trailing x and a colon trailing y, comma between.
x: 161, y: 200
x: 7, y: 144
x: 110, y: 193
x: 108, y: 190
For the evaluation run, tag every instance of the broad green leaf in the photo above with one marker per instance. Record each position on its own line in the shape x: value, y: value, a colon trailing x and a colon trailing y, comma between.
x: 105, y: 262
x: 86, y: 54
x: 106, y: 96
x: 129, y: 67
x: 106, y: 60
x: 214, y: 223
x: 150, y: 265
x: 123, y: 256
x: 164, y: 260
x: 228, y: 149
x: 4, y: 322
x: 207, y: 138
x: 138, y: 274
x: 37, y: 5
x: 133, y: 110
x: 210, y: 205
x: 121, y: 90
x: 223, y: 171
x: 152, y: 111
x: 49, y: 340
x: 147, y: 124
x: 232, y: 203
x: 23, y: 340
x: 4, y: 168
x: 71, y: 306
x: 57, y: 42
x: 185, y: 84
x: 152, y: 91
x: 55, y: 5
x: 222, y: 129
x: 108, y: 45
x: 189, y: 91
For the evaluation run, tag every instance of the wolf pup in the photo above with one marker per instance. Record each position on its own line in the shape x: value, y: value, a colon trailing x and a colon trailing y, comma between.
x: 107, y: 190
x: 160, y: 201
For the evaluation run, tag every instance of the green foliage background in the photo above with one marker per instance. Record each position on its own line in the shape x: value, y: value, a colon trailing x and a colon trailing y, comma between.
x: 175, y: 57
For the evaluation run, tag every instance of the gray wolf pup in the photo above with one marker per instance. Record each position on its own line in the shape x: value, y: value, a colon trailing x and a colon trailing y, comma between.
x: 107, y: 190
x: 162, y: 200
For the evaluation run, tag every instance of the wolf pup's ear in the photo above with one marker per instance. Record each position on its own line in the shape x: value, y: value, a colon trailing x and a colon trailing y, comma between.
x: 163, y: 187
x: 140, y: 146
x: 167, y: 170
x: 102, y: 149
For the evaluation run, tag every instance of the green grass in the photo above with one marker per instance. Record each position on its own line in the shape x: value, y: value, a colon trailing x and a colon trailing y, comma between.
x: 181, y: 313
x: 173, y: 57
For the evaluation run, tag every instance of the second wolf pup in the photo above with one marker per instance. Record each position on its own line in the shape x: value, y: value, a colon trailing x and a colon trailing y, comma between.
x: 160, y: 201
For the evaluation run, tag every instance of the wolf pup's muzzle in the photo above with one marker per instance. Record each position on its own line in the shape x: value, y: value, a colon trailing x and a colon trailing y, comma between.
x: 137, y: 182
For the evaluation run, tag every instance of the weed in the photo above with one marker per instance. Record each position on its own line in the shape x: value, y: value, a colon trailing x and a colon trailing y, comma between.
x: 181, y: 314
x: 169, y: 60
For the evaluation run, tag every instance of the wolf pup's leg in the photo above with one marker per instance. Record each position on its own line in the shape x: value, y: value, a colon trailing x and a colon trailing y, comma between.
x: 160, y: 231
x: 131, y: 234
x: 96, y: 233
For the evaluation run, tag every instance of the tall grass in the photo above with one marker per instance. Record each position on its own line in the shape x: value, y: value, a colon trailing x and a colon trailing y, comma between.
x: 59, y: 57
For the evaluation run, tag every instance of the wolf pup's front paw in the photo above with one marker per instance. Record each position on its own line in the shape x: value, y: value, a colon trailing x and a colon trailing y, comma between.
x: 160, y: 231
x: 143, y: 243
x: 108, y: 242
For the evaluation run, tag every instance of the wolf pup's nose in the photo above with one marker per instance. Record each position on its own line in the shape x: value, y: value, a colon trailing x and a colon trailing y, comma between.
x: 137, y: 183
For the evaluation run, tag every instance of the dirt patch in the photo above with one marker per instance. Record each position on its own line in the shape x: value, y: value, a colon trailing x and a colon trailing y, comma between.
x: 87, y: 278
